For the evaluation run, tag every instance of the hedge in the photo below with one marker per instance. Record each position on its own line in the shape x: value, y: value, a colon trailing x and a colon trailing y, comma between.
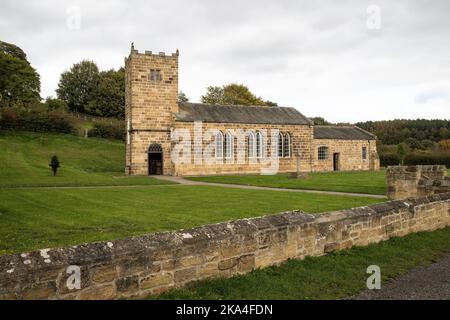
x: 108, y: 130
x: 37, y: 121
x: 416, y: 159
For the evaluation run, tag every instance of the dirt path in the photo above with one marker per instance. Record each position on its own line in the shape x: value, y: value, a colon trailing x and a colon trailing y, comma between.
x: 428, y: 282
x: 183, y: 181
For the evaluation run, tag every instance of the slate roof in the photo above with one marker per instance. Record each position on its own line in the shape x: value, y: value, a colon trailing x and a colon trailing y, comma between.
x: 342, y: 133
x: 189, y: 112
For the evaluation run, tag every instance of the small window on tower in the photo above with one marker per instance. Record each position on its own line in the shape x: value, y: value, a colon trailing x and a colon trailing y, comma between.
x: 155, y: 75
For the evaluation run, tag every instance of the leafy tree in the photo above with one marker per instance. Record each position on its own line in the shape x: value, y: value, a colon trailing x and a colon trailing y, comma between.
x: 182, y: 97
x: 77, y: 86
x: 428, y: 144
x: 444, y: 144
x: 319, y: 121
x: 414, y: 144
x: 108, y: 98
x: 54, y: 164
x: 214, y: 95
x: 402, y: 151
x: 55, y: 104
x: 19, y: 82
x: 271, y: 104
x: 233, y: 94
x: 444, y: 133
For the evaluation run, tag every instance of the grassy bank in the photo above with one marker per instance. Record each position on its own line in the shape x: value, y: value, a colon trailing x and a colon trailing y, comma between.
x: 25, y: 158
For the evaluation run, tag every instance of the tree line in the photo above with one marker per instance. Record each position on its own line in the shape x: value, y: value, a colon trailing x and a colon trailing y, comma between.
x: 84, y: 89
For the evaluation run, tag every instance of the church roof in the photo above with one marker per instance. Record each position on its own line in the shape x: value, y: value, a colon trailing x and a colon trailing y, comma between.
x: 342, y: 133
x: 189, y: 112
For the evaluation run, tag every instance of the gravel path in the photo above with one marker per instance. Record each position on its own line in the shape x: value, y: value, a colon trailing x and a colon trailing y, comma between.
x: 422, y: 283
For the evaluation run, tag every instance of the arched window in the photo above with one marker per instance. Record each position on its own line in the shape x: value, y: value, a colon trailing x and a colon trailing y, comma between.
x: 219, y: 145
x: 323, y: 153
x: 228, y: 145
x: 287, y: 145
x: 280, y: 145
x: 259, y: 145
x: 251, y: 145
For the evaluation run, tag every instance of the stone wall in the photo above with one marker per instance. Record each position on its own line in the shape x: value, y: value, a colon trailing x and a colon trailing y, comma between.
x: 416, y: 181
x: 301, y: 136
x: 154, y: 263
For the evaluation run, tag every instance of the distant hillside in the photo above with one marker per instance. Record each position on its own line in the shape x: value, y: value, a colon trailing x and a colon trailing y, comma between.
x: 397, y: 131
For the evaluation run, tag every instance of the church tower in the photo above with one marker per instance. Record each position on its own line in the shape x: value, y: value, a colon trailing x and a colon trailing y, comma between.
x: 151, y: 99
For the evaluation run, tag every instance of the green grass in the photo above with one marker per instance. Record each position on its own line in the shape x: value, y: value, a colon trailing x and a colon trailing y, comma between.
x: 338, y: 275
x: 369, y: 182
x: 40, y: 218
x: 24, y: 160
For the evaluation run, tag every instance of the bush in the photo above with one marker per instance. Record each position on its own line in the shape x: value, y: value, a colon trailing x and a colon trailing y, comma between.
x: 108, y: 130
x: 36, y: 120
x: 427, y: 159
x: 389, y: 159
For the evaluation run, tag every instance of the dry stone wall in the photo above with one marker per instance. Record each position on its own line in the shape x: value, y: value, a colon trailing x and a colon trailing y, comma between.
x: 154, y: 263
x: 416, y: 181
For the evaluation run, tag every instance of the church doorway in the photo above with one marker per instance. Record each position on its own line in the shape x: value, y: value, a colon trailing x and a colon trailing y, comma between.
x: 336, y: 164
x: 155, y: 160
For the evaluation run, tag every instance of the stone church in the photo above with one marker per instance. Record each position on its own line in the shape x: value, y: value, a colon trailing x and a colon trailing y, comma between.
x: 239, y: 139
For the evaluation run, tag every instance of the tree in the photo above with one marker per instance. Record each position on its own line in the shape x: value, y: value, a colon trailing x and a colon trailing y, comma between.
x: 319, y: 121
x: 214, y: 95
x: 182, y: 97
x: 270, y: 103
x: 402, y: 151
x: 19, y: 81
x: 414, y: 144
x: 233, y: 94
x: 108, y: 97
x: 54, y: 164
x: 428, y: 144
x: 444, y: 133
x: 444, y: 144
x: 77, y: 86
x: 55, y: 104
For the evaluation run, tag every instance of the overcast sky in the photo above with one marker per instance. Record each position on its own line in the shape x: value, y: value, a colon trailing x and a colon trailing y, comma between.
x: 359, y: 60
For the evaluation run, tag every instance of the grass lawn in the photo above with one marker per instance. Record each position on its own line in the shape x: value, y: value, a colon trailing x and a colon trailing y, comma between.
x: 24, y: 160
x: 338, y: 275
x: 358, y: 181
x: 40, y: 218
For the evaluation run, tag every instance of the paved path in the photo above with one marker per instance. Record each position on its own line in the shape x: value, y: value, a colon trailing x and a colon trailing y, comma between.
x: 429, y: 282
x: 183, y: 181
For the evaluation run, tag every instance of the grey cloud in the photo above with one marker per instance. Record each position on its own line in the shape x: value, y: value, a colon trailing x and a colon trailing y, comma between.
x: 315, y: 54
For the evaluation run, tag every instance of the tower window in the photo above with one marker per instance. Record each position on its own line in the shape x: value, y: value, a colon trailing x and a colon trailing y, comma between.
x: 155, y: 75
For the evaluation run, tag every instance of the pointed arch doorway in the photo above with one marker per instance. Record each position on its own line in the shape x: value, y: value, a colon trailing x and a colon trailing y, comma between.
x: 155, y: 159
